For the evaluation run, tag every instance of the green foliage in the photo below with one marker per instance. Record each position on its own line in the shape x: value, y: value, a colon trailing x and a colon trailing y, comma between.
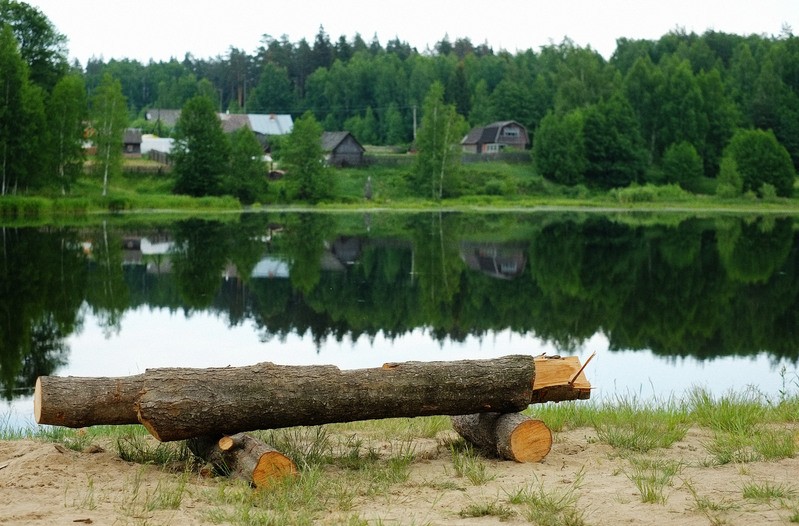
x: 13, y: 82
x: 558, y: 148
x: 66, y: 111
x: 41, y: 46
x: 246, y: 178
x: 109, y: 118
x: 302, y: 157
x: 436, y: 172
x: 613, y: 146
x: 201, y: 150
x: 730, y: 182
x: 682, y: 164
x: 760, y: 158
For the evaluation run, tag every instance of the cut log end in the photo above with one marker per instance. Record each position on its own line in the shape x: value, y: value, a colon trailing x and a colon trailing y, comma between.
x: 530, y: 441
x: 512, y: 436
x: 37, y: 401
x: 272, y: 467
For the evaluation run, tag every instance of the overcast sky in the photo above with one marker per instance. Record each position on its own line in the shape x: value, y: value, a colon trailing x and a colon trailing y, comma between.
x: 161, y: 29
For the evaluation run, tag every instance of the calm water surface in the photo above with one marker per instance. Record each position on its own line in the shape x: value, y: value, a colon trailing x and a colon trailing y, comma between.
x: 666, y: 303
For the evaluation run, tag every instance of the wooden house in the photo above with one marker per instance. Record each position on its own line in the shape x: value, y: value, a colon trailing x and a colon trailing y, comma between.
x: 495, y: 137
x: 131, y: 141
x: 342, y: 149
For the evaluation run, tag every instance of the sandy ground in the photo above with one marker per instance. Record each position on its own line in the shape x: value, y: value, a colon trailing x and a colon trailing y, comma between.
x: 42, y: 483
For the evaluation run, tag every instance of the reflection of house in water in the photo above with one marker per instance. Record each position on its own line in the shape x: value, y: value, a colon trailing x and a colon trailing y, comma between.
x: 341, y: 253
x: 494, y: 259
x: 152, y: 250
x: 270, y: 267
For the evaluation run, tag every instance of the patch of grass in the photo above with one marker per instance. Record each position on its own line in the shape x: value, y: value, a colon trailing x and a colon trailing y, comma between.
x: 467, y: 463
x: 488, y: 509
x: 306, y: 446
x: 734, y: 412
x: 550, y: 508
x: 767, y: 491
x: 712, y: 510
x: 652, y: 476
x: 634, y: 426
x: 142, y: 449
x: 141, y: 499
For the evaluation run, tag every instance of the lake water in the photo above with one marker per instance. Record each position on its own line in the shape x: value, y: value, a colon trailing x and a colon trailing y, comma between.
x: 667, y: 303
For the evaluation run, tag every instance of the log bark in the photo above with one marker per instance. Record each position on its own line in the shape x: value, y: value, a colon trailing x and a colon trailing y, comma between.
x: 179, y: 403
x: 511, y: 436
x: 81, y: 402
x: 244, y: 457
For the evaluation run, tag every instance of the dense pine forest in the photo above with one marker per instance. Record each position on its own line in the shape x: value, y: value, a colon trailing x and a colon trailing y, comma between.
x: 657, y: 111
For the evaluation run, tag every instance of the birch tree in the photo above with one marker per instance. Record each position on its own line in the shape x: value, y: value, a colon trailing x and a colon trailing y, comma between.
x: 436, y: 172
x: 109, y: 119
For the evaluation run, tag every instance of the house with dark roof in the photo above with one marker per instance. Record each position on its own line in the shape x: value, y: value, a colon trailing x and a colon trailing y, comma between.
x: 131, y: 141
x: 342, y: 149
x: 495, y: 137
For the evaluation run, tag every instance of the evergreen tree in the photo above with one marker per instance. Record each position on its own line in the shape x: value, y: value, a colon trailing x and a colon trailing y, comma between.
x: 200, y: 153
x: 436, y: 171
x: 66, y: 110
x: 109, y: 118
x: 303, y: 159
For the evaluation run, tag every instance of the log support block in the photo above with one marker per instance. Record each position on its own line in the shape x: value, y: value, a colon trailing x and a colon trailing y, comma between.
x: 244, y: 457
x: 511, y: 436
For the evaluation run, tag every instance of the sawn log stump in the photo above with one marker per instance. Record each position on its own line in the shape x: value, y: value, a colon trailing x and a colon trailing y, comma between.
x: 511, y: 436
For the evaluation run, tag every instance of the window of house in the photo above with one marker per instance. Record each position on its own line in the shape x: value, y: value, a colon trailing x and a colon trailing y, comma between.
x: 510, y: 132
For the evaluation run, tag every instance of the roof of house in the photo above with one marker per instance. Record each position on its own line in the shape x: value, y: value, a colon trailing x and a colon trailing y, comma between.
x: 271, y: 124
x: 168, y: 117
x: 488, y: 133
x: 331, y: 140
x: 233, y: 121
x: 263, y: 124
x: 132, y: 136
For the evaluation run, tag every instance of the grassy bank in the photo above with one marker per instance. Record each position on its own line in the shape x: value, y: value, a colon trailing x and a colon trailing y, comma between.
x: 347, y: 470
x: 484, y: 186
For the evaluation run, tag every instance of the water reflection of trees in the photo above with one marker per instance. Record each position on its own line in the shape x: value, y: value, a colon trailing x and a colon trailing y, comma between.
x: 700, y: 288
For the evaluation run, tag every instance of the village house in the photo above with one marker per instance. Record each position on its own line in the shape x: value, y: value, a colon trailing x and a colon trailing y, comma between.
x: 495, y: 137
x: 131, y: 141
x: 342, y: 149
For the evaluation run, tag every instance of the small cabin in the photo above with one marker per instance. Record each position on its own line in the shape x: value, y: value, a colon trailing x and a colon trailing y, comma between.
x: 131, y: 141
x: 495, y: 137
x: 342, y: 149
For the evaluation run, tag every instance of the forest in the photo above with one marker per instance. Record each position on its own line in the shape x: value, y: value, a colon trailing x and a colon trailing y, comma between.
x: 666, y: 111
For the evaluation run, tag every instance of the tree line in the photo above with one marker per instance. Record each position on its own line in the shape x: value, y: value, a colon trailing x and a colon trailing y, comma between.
x: 657, y: 111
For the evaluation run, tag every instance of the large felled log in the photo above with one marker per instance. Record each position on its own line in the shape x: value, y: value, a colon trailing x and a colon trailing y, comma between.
x: 179, y: 403
x: 512, y: 436
x: 244, y: 457
x: 183, y: 403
